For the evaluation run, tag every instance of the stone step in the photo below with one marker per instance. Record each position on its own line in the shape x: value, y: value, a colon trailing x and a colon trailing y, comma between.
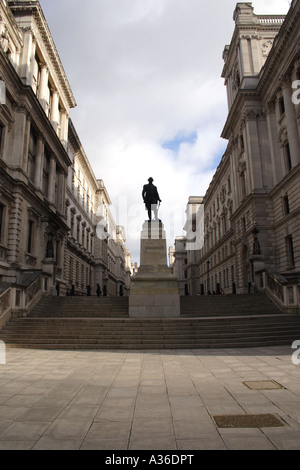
x: 163, y: 334
x: 206, y: 322
x: 167, y: 324
x: 81, y: 306
x: 227, y: 305
x: 215, y: 338
x: 227, y: 344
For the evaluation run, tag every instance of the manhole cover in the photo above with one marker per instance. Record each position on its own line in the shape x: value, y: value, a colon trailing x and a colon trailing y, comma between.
x: 248, y: 421
x: 263, y: 385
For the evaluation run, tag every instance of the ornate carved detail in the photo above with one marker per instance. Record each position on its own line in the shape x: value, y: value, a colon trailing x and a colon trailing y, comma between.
x: 253, y: 114
x: 285, y: 81
x: 251, y: 36
x: 269, y: 108
x: 266, y: 48
x: 283, y: 137
x: 242, y: 166
x: 30, y: 260
x: 4, y: 41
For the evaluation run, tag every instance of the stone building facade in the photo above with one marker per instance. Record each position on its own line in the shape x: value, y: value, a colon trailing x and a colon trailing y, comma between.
x: 252, y: 206
x: 95, y: 250
x: 48, y: 192
x: 179, y: 263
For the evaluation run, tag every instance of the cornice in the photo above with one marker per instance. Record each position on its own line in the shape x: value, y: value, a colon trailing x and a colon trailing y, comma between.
x: 284, y: 39
x: 11, y: 25
x: 293, y: 174
x: 81, y: 155
x: 234, y: 115
x: 218, y: 176
x: 243, y: 31
x: 33, y: 6
x: 248, y: 200
x: 44, y: 126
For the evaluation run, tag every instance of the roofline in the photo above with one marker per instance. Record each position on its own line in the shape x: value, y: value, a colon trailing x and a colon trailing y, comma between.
x: 36, y: 9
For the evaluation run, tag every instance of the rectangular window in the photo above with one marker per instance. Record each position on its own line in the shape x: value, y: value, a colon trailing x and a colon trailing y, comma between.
x: 281, y: 106
x: 46, y: 174
x: 57, y: 252
x: 31, y: 156
x: 2, y: 208
x: 243, y: 184
x: 286, y: 205
x: 30, y: 237
x: 287, y: 155
x: 290, y: 250
x: 229, y: 184
x: 71, y: 271
x: 242, y: 142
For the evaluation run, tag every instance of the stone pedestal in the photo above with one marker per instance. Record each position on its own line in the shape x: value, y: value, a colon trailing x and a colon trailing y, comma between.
x: 154, y: 289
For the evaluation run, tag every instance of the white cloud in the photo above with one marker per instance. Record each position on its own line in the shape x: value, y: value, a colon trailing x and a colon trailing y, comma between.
x: 142, y: 73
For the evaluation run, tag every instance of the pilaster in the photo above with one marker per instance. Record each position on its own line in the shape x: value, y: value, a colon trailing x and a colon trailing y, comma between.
x: 277, y: 164
x: 52, y: 179
x: 39, y: 160
x: 54, y: 117
x: 19, y: 136
x: 43, y: 88
x: 291, y: 122
x: 254, y: 149
x: 14, y: 229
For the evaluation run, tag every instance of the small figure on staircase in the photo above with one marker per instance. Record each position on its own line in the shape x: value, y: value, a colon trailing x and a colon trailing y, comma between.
x: 98, y: 290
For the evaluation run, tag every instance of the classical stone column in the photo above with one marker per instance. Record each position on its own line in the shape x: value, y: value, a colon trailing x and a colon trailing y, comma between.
x: 234, y: 151
x: 54, y: 116
x: 26, y: 57
x: 254, y: 156
x: 52, y: 179
x: 291, y: 122
x: 277, y: 163
x: 26, y: 142
x: 19, y: 136
x: 39, y: 159
x: 61, y: 191
x: 64, y: 128
x: 43, y: 88
x: 246, y: 59
x: 32, y: 61
x: 14, y: 228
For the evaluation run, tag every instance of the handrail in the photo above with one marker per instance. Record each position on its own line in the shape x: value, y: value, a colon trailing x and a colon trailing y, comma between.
x: 33, y: 290
x: 5, y: 297
x: 18, y: 300
x: 284, y: 293
x: 5, y: 305
x: 274, y: 285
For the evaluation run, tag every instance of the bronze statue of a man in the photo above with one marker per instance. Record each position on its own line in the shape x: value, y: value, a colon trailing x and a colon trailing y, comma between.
x: 151, y: 199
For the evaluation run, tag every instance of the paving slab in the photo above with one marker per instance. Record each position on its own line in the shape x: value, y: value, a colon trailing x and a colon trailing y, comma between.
x: 147, y: 400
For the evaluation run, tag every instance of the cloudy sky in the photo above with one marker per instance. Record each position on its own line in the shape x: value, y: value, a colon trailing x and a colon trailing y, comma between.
x: 146, y: 76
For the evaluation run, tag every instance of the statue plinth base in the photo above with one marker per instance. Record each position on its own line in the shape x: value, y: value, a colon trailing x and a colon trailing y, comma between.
x: 154, y: 289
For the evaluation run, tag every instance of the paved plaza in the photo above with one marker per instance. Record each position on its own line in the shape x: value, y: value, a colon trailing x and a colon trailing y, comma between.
x: 147, y: 400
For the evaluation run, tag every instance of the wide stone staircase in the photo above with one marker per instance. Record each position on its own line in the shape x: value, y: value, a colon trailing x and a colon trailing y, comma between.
x: 103, y: 323
x: 81, y: 307
x: 227, y: 305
